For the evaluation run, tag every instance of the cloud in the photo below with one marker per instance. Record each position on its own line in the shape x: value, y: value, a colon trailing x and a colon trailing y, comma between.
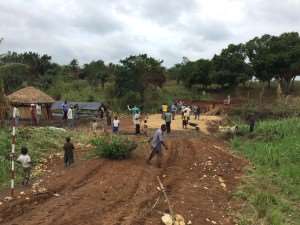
x: 113, y: 29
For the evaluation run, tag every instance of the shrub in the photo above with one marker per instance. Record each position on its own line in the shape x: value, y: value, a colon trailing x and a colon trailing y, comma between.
x: 113, y: 147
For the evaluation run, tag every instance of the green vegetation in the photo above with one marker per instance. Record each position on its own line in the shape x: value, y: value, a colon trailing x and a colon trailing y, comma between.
x: 39, y: 141
x: 272, y: 189
x: 113, y: 147
x: 140, y: 79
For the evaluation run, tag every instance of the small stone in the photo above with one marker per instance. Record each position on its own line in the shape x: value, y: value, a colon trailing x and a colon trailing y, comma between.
x: 22, y: 193
x: 27, y: 198
x: 56, y: 195
x: 8, y: 198
x: 189, y: 222
x: 213, y: 222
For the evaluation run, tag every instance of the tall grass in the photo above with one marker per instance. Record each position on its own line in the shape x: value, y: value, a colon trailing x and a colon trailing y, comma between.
x: 273, y: 188
x: 39, y: 141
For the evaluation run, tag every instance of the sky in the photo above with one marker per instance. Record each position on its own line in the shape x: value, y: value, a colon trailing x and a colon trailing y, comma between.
x: 114, y: 29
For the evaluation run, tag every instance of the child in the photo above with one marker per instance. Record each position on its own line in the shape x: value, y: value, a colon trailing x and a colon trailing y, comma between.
x: 25, y: 160
x: 69, y: 152
x: 116, y: 124
x: 94, y: 126
x: 137, y: 123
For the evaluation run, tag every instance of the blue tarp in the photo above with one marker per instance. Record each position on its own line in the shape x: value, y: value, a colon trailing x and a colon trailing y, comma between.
x: 82, y: 105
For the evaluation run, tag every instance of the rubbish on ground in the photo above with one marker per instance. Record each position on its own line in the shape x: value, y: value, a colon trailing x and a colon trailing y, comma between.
x: 57, y: 129
x: 8, y: 198
x: 167, y: 219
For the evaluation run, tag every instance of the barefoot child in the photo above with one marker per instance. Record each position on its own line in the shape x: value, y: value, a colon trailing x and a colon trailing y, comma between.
x: 25, y: 160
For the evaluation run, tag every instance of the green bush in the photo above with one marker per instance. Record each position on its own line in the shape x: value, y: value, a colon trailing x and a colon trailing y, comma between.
x: 113, y: 147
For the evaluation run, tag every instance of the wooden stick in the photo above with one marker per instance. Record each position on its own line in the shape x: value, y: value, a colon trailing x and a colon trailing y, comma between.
x: 166, y: 197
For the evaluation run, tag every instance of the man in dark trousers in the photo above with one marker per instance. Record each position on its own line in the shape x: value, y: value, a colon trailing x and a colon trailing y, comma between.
x: 168, y: 119
x: 157, y: 141
x: 69, y: 152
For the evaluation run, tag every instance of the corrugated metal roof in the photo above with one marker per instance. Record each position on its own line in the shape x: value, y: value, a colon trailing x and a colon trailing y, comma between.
x: 82, y: 105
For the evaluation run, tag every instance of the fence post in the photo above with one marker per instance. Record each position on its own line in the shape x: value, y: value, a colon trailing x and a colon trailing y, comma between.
x: 13, y: 147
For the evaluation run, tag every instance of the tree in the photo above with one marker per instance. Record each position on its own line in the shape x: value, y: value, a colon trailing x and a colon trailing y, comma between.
x: 96, y: 72
x: 285, y: 59
x: 258, y: 53
x: 13, y: 76
x: 200, y: 73
x: 230, y: 67
x: 136, y: 73
x: 74, y: 67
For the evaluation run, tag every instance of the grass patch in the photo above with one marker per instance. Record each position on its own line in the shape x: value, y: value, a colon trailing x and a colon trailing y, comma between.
x: 39, y: 141
x: 272, y: 190
x: 113, y: 147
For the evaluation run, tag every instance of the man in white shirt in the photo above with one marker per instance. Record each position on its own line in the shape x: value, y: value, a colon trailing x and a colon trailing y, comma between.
x: 70, y: 117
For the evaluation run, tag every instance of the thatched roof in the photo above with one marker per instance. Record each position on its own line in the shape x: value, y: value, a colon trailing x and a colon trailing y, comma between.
x: 29, y: 95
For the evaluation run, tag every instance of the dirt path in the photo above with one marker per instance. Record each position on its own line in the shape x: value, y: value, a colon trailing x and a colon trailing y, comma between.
x: 155, y: 121
x: 198, y: 173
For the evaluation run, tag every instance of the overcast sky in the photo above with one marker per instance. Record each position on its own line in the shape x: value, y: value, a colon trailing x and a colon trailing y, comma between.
x: 165, y: 29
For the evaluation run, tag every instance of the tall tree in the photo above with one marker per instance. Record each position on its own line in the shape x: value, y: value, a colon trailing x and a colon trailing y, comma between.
x: 230, y: 67
x: 137, y: 72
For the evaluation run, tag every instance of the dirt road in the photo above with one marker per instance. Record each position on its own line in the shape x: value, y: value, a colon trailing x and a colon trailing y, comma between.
x: 198, y: 172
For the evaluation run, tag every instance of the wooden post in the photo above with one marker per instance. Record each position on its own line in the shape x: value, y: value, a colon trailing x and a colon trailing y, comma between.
x: 166, y: 197
x: 13, y: 147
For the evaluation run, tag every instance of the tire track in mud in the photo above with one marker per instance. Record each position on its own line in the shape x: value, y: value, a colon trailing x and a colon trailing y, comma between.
x: 122, y: 192
x: 18, y: 208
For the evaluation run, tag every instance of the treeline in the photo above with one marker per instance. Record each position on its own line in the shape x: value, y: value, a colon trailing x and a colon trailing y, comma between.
x: 139, y: 79
x: 132, y: 81
x: 264, y: 58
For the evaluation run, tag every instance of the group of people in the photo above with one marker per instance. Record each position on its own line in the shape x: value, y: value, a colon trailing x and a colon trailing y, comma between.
x: 169, y: 112
x: 70, y: 113
x: 35, y: 113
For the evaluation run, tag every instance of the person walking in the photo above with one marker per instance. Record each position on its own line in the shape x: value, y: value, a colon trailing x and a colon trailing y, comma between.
x: 173, y: 110
x: 137, y: 123
x: 157, y: 141
x: 68, y: 152
x: 25, y: 160
x: 65, y: 109
x: 116, y: 124
x: 164, y: 109
x: 197, y: 113
x: 168, y: 119
x: 70, y: 117
x: 16, y: 112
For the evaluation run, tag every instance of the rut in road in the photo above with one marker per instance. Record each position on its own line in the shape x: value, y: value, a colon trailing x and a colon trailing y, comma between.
x: 122, y: 192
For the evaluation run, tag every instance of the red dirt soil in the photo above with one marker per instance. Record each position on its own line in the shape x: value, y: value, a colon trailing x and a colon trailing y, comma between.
x: 99, y: 191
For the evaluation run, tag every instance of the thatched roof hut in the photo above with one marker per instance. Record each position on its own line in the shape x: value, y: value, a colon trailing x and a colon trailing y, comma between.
x: 29, y: 95
x: 23, y: 98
